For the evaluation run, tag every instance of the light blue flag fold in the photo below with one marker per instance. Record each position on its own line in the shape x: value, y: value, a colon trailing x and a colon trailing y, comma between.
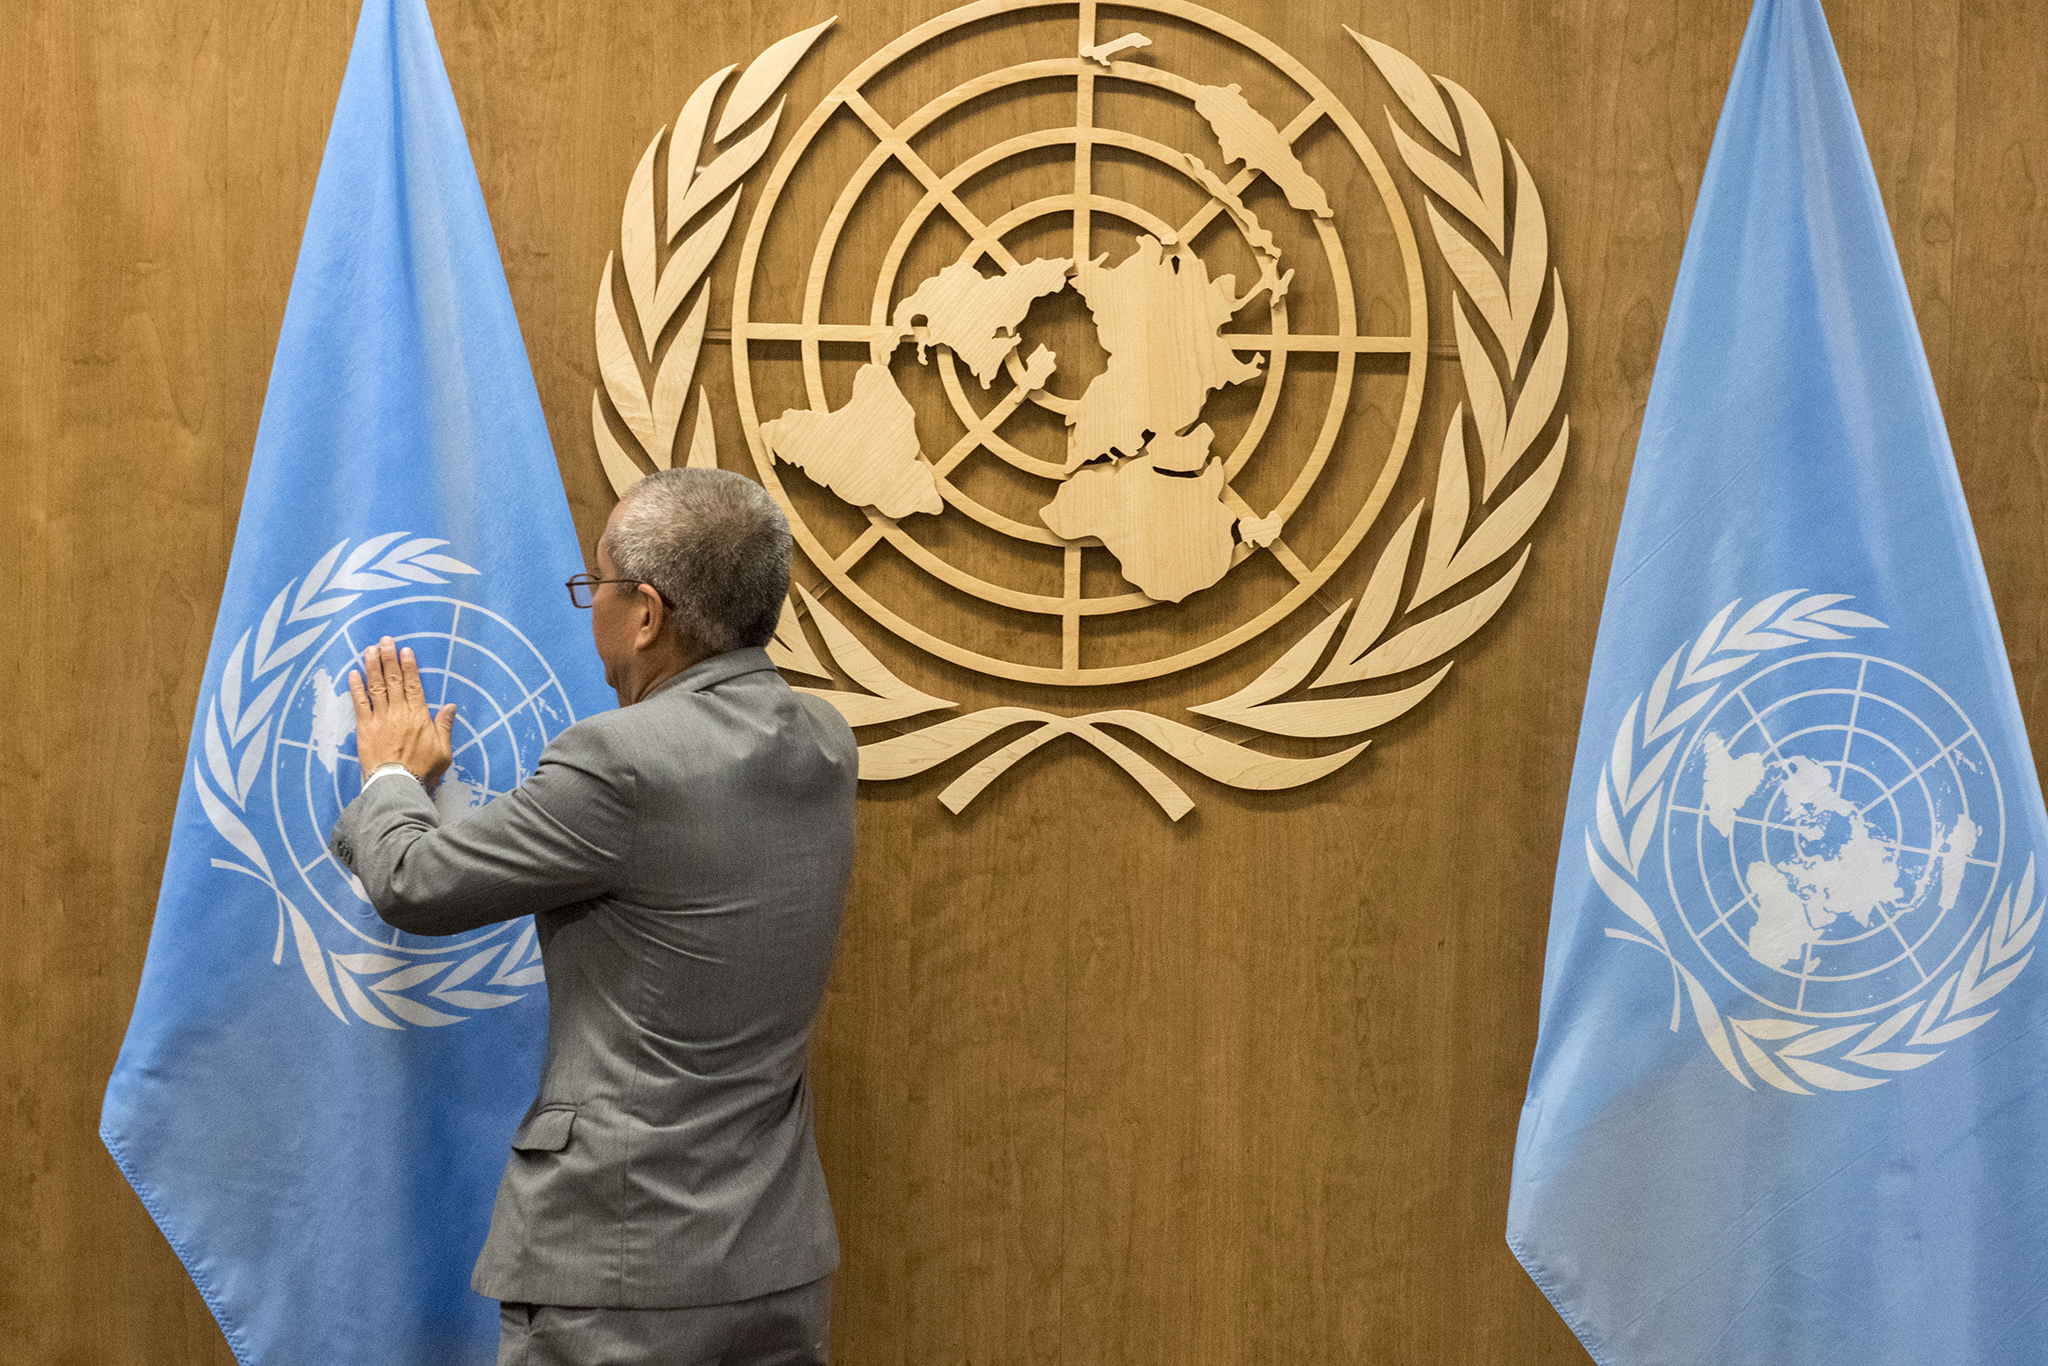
x: 1790, y: 1092
x: 314, y: 1107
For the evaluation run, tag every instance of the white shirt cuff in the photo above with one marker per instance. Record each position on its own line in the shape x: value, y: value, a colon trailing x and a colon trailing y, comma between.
x: 386, y: 771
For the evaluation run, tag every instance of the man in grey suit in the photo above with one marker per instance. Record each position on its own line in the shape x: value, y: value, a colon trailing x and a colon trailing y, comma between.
x: 685, y: 859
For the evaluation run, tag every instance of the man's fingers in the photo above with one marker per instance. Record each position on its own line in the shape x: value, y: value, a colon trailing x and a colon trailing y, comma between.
x: 445, y: 719
x: 410, y: 669
x: 357, y: 695
x: 373, y: 672
x: 387, y: 658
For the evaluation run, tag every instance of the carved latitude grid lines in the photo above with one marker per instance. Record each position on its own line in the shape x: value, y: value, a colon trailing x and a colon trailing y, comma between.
x: 1033, y: 533
x: 894, y: 142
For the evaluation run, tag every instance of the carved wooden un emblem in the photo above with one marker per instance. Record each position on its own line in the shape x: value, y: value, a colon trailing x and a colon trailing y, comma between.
x: 1085, y: 405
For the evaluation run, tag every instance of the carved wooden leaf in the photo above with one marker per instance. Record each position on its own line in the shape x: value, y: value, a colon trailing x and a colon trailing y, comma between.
x: 859, y: 664
x: 791, y: 648
x: 1325, y: 718
x: 1157, y: 785
x: 1538, y: 398
x: 1420, y: 644
x: 687, y: 142
x: 618, y: 466
x: 1527, y: 263
x: 637, y: 235
x: 904, y: 756
x: 1412, y: 84
x: 1382, y: 595
x: 861, y: 709
x: 1480, y: 282
x: 1216, y: 758
x: 765, y: 76
x: 1283, y: 675
x: 1444, y: 182
x: 1482, y: 146
x: 1489, y: 404
x: 1508, y: 522
x: 672, y: 380
x: 1447, y: 520
x: 618, y: 365
x: 691, y: 260
x: 704, y: 440
x: 722, y: 174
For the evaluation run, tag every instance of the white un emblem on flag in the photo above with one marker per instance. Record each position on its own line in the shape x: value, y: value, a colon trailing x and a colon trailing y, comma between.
x: 286, y: 701
x: 1833, y: 835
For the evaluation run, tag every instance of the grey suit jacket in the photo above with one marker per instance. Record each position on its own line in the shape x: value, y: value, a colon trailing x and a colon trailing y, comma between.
x: 686, y: 861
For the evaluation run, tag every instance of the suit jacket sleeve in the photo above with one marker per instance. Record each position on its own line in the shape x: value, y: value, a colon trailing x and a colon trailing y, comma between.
x: 561, y: 837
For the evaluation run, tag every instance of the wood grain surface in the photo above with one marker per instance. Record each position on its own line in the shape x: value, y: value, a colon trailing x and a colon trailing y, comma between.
x: 1093, y: 1086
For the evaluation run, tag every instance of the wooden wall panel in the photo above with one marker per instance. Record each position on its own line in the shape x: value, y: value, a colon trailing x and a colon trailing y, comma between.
x: 1094, y: 1087
x: 1995, y: 395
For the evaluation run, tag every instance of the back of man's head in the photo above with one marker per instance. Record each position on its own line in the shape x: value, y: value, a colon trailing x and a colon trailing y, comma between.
x: 716, y: 548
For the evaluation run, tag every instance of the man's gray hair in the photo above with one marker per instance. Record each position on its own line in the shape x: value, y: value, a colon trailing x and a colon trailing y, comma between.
x: 716, y: 548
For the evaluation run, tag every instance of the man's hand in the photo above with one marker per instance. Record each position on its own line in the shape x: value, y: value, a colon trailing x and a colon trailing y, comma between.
x: 393, y: 725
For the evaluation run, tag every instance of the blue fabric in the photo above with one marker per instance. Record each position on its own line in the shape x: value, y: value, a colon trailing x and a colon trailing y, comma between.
x: 315, y: 1108
x: 1789, y: 1098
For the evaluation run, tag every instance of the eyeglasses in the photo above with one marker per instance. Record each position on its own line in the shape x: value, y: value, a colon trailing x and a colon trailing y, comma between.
x: 583, y: 589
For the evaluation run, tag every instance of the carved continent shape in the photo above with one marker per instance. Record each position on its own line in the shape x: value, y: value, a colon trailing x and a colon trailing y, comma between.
x: 1159, y: 316
x: 1249, y: 136
x: 1169, y: 533
x: 867, y: 452
x: 968, y: 311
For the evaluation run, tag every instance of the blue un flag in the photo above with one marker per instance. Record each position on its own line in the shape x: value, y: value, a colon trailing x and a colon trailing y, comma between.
x: 315, y: 1107
x: 1790, y: 1092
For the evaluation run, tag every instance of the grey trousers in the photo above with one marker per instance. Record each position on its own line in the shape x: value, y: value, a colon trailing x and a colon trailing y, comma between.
x: 787, y: 1328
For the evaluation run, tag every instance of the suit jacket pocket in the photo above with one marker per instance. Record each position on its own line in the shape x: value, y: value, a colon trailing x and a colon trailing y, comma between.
x: 545, y: 1131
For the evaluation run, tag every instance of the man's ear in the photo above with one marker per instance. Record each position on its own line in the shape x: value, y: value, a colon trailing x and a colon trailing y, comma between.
x: 653, y: 615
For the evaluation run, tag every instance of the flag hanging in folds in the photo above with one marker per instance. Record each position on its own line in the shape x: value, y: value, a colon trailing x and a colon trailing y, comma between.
x: 314, y: 1107
x: 1790, y: 1091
